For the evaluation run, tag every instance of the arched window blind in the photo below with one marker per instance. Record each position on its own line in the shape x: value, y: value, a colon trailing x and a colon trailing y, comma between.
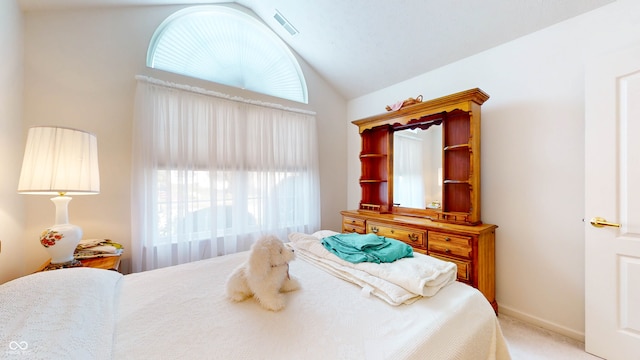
x: 227, y: 46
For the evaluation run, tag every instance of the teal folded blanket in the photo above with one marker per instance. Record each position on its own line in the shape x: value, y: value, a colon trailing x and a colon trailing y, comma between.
x: 357, y: 248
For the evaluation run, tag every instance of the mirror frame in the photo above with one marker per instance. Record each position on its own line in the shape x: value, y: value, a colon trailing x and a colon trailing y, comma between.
x: 423, y: 123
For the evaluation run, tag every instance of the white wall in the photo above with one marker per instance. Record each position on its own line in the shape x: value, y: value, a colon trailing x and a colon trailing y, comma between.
x: 79, y: 71
x: 11, y: 143
x: 532, y: 155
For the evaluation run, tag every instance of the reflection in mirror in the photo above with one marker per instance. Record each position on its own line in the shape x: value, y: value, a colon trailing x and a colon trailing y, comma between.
x: 417, y: 168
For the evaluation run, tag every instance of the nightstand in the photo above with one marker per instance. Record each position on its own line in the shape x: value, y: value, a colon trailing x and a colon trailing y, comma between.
x: 105, y: 262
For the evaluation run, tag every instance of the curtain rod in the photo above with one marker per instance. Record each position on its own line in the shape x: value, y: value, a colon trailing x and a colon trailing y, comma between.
x: 206, y: 92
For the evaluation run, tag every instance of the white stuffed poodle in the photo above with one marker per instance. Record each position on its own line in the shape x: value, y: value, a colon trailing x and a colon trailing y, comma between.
x: 265, y: 275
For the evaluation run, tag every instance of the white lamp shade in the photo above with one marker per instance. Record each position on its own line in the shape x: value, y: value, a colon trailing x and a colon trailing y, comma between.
x: 60, y: 160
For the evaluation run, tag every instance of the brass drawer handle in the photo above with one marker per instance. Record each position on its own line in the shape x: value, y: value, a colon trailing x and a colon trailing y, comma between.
x: 413, y: 237
x: 447, y: 251
x: 374, y: 229
x: 447, y: 239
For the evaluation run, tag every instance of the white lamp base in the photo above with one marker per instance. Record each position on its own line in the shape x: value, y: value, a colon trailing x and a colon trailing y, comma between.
x: 61, y: 239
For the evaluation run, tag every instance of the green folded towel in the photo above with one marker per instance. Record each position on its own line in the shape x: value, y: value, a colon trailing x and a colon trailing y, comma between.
x: 357, y: 248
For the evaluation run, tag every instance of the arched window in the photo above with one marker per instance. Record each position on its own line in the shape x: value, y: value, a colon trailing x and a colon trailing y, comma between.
x: 227, y: 46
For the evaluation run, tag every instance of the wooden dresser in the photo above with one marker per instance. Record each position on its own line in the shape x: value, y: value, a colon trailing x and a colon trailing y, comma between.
x: 471, y: 248
x: 420, y: 183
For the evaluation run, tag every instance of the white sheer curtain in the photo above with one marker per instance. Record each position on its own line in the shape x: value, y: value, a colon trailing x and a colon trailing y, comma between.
x: 408, y: 184
x: 210, y: 175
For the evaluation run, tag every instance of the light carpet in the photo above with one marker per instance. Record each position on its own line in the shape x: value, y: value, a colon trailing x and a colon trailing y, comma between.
x: 530, y: 342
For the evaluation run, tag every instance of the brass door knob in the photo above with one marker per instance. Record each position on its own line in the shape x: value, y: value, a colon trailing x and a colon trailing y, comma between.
x: 602, y: 222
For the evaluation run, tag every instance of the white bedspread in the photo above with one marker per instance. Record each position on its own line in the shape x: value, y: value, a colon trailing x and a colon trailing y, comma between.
x: 60, y: 314
x: 181, y: 312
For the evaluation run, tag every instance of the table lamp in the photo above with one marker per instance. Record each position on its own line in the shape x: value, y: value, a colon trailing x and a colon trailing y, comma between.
x: 60, y: 161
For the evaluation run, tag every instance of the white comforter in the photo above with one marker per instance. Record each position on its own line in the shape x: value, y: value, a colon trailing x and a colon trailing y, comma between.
x: 61, y: 314
x: 181, y: 313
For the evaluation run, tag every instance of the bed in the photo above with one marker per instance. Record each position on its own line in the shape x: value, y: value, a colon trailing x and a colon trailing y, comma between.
x: 181, y: 312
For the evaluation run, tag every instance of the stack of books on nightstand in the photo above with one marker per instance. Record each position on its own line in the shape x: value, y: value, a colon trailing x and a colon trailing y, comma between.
x: 94, y: 248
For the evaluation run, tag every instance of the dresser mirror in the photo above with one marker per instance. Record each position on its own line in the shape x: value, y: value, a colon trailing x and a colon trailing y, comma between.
x: 417, y: 168
x: 423, y: 160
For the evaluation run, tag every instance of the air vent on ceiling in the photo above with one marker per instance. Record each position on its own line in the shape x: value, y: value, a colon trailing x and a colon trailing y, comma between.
x: 285, y: 23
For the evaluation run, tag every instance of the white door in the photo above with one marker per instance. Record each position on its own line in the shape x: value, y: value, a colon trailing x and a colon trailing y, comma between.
x: 612, y: 193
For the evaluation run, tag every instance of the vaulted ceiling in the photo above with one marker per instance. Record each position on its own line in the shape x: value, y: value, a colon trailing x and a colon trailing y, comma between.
x: 360, y: 46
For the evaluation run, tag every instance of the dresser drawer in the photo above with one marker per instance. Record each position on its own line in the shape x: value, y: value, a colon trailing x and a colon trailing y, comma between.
x: 464, y: 267
x: 455, y: 245
x: 414, y: 237
x: 353, y: 229
x: 350, y: 225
